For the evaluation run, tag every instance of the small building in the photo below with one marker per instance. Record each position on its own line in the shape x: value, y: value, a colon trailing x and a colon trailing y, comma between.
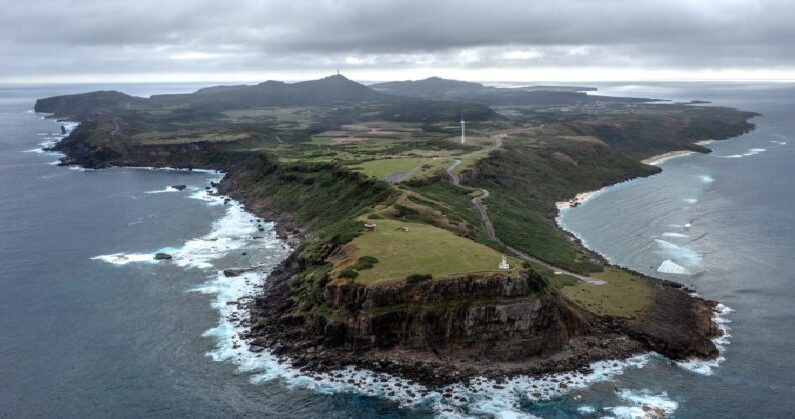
x: 369, y: 227
x: 504, y: 264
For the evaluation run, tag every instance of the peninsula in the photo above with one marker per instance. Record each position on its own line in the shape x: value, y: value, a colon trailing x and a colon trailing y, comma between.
x: 416, y: 251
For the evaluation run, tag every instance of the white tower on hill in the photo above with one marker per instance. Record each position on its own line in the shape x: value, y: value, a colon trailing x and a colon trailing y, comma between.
x: 463, y: 131
x: 504, y: 264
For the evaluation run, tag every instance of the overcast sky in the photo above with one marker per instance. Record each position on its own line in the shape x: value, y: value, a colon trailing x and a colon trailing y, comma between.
x: 495, y: 40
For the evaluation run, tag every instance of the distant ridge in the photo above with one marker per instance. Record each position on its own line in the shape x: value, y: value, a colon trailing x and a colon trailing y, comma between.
x: 334, y: 90
x: 439, y: 88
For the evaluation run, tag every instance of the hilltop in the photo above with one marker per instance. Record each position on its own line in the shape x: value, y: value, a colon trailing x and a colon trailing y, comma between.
x: 422, y: 294
x: 439, y: 88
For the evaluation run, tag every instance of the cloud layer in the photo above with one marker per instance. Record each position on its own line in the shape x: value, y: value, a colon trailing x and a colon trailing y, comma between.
x: 497, y: 39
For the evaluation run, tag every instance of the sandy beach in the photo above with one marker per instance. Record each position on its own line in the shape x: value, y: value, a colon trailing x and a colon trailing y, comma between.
x: 577, y: 200
x: 658, y: 159
x: 653, y: 160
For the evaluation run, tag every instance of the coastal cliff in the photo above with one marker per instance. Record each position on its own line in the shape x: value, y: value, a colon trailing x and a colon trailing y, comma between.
x: 438, y: 331
x: 550, y: 313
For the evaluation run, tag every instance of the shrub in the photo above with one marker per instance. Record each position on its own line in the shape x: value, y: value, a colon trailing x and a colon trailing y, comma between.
x: 374, y: 216
x: 348, y: 273
x: 365, y: 262
x: 416, y: 278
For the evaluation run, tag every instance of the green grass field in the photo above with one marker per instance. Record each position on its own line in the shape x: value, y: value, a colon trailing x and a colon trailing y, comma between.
x: 386, y: 167
x: 624, y: 294
x: 424, y: 249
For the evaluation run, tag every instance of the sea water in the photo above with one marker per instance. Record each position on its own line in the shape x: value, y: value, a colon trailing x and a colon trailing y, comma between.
x: 92, y: 326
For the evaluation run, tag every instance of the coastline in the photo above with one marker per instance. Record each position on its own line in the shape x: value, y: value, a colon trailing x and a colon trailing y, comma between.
x: 235, y: 293
x: 661, y: 158
x: 655, y: 160
x: 439, y: 373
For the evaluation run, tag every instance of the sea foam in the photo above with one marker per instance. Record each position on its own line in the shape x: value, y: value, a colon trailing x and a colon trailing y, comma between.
x: 125, y: 258
x: 681, y: 254
x: 644, y: 404
x: 670, y: 267
x: 675, y: 235
x: 721, y: 342
x: 706, y: 178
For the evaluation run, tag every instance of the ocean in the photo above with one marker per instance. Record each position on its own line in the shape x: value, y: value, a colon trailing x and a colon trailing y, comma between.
x: 91, y: 326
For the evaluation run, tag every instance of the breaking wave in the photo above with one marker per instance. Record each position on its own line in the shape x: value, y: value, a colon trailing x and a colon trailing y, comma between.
x: 125, y: 258
x: 644, y: 404
x: 680, y: 254
x: 676, y: 235
x: 706, y: 178
x: 707, y: 367
x: 670, y: 267
x: 750, y: 152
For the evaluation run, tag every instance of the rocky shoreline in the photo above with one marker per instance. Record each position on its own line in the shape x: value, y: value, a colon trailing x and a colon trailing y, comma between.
x: 436, y: 345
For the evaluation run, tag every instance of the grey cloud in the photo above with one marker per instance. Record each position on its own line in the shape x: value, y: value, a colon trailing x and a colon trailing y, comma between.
x: 51, y: 37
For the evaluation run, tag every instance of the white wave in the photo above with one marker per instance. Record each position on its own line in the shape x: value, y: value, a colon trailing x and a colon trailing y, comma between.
x: 676, y: 235
x: 670, y: 267
x: 754, y: 151
x: 168, y: 189
x: 586, y: 410
x: 691, y: 200
x: 219, y: 173
x: 706, y: 178
x: 750, y: 152
x: 708, y: 367
x: 208, y: 196
x: 644, y: 404
x: 125, y: 258
x: 232, y: 232
x: 779, y: 142
x: 687, y: 226
x: 682, y: 255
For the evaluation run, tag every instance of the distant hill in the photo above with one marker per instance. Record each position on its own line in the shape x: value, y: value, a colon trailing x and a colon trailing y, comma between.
x: 331, y: 90
x: 432, y: 87
x: 439, y: 88
x: 334, y: 91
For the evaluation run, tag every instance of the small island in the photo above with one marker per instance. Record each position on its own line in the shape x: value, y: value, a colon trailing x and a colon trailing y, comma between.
x: 422, y: 215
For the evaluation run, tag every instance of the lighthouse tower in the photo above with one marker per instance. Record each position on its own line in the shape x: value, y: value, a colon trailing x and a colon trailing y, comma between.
x: 463, y: 131
x: 504, y: 264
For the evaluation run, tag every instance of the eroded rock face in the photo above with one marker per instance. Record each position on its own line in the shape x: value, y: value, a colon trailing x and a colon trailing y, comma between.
x: 677, y: 326
x: 497, y: 317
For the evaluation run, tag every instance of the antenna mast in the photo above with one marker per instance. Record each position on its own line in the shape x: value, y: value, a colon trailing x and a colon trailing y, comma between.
x: 463, y: 130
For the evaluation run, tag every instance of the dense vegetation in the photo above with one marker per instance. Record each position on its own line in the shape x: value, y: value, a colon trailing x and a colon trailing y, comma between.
x: 333, y: 153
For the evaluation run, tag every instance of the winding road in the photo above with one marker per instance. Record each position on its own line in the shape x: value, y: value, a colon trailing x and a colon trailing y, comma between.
x: 116, y: 127
x: 488, y: 227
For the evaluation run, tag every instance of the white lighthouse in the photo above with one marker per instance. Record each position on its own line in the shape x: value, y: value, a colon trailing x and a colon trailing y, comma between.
x: 504, y: 264
x: 463, y: 131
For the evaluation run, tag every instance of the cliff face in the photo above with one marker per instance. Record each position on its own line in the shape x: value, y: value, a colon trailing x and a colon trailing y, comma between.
x: 434, y: 331
x: 498, y: 317
x: 85, y: 146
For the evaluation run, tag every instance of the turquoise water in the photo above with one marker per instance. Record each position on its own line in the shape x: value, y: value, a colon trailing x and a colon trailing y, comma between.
x: 91, y: 326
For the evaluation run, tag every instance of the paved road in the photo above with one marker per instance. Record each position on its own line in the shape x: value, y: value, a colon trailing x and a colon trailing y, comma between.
x: 477, y: 202
x: 116, y: 127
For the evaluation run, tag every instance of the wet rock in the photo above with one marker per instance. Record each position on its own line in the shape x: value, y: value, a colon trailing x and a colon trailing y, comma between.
x: 163, y: 256
x: 179, y: 187
x: 230, y: 273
